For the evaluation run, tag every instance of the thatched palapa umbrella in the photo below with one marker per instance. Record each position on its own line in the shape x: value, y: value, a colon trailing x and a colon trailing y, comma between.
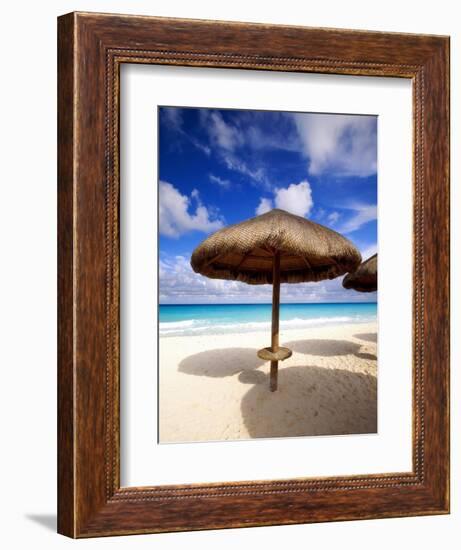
x: 365, y: 278
x: 273, y: 248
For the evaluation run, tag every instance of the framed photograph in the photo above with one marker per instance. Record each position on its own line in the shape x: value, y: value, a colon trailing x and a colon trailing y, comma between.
x: 229, y: 353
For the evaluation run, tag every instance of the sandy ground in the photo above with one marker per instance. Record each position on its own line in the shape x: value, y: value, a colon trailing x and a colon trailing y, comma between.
x: 216, y: 388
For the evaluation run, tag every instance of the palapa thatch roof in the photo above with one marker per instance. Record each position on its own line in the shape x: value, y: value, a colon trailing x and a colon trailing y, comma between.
x: 365, y: 279
x: 244, y: 251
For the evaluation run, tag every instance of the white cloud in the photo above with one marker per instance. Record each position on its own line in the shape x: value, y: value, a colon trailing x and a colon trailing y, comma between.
x: 320, y: 212
x: 220, y: 181
x: 265, y: 205
x: 224, y: 135
x: 235, y: 164
x: 204, y: 148
x: 180, y: 285
x: 225, y: 138
x: 344, y: 145
x: 333, y: 217
x: 363, y: 213
x: 296, y: 198
x: 174, y: 216
x: 283, y: 138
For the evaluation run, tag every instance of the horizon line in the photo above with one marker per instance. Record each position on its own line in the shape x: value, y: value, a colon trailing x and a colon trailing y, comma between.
x: 268, y: 303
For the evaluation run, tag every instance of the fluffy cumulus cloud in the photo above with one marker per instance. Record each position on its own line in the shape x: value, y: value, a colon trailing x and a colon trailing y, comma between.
x: 176, y: 215
x: 264, y: 206
x: 296, y: 198
x: 180, y: 285
x: 343, y: 145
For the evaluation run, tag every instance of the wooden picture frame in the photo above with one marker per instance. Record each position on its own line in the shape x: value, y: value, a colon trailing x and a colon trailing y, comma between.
x: 92, y: 47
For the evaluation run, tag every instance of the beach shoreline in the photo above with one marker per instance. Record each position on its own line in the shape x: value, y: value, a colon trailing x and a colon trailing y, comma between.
x: 213, y: 387
x: 213, y: 319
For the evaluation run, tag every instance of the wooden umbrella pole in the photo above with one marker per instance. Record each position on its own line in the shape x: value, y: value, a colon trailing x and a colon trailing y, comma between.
x: 275, y: 317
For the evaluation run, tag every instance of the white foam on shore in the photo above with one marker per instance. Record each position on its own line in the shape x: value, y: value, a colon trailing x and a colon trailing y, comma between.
x: 201, y: 327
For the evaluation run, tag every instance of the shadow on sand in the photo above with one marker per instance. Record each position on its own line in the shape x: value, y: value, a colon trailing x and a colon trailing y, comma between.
x: 328, y: 348
x: 311, y: 400
x: 219, y: 363
x: 368, y: 337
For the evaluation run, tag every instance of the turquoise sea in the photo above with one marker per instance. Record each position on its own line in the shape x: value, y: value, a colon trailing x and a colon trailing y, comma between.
x: 188, y: 320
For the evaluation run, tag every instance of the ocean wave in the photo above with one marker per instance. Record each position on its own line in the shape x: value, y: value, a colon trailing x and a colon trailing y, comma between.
x: 199, y: 327
x: 178, y: 324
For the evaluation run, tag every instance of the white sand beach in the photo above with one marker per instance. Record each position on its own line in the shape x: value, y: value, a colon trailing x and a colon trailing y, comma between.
x: 215, y: 387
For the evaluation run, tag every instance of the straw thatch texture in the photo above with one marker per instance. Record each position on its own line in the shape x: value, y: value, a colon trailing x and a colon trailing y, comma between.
x: 244, y: 251
x: 365, y: 279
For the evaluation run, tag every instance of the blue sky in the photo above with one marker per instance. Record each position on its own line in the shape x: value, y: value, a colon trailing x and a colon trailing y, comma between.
x: 222, y: 166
